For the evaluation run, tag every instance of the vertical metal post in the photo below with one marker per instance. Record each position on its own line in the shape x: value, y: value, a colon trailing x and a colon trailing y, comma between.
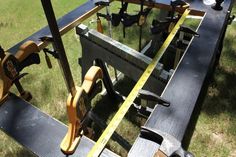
x: 63, y: 61
x: 106, y: 79
x: 109, y: 20
x: 140, y: 28
x: 178, y: 50
x: 110, y: 33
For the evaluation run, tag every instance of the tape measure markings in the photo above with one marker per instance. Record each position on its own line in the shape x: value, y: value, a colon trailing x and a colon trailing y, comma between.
x: 106, y: 135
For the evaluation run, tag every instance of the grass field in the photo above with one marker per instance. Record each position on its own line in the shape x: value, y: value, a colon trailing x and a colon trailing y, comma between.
x: 215, y: 133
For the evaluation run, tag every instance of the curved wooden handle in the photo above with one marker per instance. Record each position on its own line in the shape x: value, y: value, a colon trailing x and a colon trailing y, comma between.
x: 159, y: 153
x: 26, y: 49
x: 72, y: 138
x: 94, y: 74
x: 76, y: 110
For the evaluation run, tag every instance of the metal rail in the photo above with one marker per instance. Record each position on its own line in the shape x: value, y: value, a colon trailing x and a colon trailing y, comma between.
x: 65, y: 24
x: 165, y: 5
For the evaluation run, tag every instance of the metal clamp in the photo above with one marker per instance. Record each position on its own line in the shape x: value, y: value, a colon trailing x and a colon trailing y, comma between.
x: 181, y: 43
x: 101, y: 2
x: 181, y: 3
x: 147, y: 95
x: 189, y: 30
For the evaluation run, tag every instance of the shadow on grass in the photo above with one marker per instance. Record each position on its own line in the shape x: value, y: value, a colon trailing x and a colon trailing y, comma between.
x: 107, y: 106
x: 222, y: 92
x: 228, y: 46
x: 221, y: 98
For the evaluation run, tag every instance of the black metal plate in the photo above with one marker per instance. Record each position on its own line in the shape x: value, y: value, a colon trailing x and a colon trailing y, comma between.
x: 37, y: 131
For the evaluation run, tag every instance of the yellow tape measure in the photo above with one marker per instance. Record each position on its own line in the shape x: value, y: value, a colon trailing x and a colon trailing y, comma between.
x: 106, y: 135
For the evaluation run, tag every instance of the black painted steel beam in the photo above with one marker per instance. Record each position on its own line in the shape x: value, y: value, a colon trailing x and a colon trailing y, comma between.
x: 38, y: 132
x: 65, y: 24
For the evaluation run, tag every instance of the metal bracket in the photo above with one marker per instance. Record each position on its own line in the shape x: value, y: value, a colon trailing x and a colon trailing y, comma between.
x: 101, y: 2
x: 189, y: 30
x: 105, y: 16
x: 53, y: 53
x: 231, y: 19
x: 159, y: 26
x: 147, y: 95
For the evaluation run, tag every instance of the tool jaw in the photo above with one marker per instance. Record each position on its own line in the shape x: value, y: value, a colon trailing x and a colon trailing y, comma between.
x: 93, y: 75
x: 26, y: 49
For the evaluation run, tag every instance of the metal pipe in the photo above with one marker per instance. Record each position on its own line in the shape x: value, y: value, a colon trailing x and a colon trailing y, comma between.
x: 140, y: 28
x: 63, y: 61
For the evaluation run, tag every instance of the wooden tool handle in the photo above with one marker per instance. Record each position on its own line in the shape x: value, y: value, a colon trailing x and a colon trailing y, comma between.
x: 26, y: 49
x: 91, y: 77
x: 76, y: 110
x: 160, y: 154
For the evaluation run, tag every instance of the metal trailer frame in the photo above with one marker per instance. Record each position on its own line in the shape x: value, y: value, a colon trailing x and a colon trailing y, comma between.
x: 188, y: 85
x: 42, y: 134
x: 98, y: 46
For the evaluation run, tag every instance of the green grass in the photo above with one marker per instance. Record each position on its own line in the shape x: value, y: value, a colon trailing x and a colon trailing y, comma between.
x: 18, y: 21
x: 215, y: 132
x: 216, y: 128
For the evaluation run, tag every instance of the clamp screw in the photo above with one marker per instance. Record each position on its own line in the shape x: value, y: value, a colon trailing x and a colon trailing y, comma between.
x: 217, y: 5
